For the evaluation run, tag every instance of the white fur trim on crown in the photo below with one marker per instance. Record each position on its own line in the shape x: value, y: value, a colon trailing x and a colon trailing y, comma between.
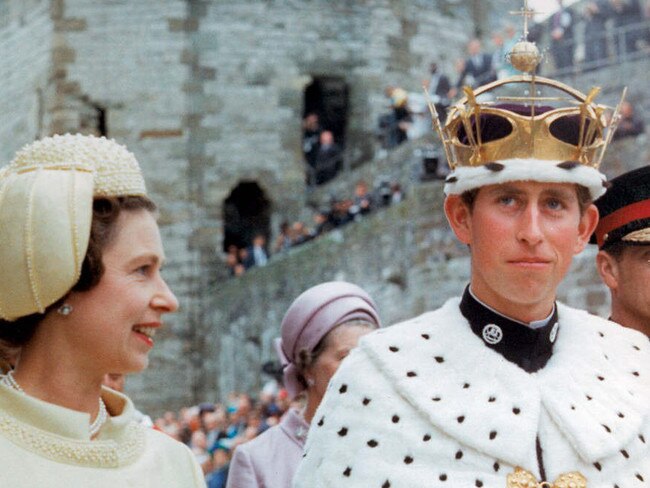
x: 467, y: 178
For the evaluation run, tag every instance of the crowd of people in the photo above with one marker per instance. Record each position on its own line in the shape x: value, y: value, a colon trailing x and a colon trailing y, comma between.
x: 613, y: 29
x: 240, y: 259
x: 213, y: 431
x: 338, y: 213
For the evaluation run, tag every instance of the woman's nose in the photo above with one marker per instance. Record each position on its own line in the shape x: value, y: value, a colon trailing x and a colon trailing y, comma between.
x: 165, y: 299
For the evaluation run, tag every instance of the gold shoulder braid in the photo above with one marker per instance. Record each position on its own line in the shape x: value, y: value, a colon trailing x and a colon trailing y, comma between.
x: 524, y: 479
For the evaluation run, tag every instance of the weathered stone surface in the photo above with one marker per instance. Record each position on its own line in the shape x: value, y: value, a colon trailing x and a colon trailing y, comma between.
x: 183, y: 25
x: 208, y: 94
x: 70, y: 24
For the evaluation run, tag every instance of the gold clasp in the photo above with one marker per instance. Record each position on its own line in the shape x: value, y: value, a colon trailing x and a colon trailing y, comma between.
x: 525, y: 479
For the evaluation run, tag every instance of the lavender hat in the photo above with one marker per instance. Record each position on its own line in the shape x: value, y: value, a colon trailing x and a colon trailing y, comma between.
x: 312, y: 315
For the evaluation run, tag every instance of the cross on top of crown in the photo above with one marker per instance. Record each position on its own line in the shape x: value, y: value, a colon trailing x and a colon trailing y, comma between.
x: 526, y: 13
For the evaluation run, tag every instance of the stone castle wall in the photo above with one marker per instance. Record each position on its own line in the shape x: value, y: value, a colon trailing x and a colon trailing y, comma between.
x: 209, y: 94
x: 25, y: 62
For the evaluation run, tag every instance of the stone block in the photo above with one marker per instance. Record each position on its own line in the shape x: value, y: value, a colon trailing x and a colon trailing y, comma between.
x: 57, y: 8
x: 160, y: 133
x: 189, y: 56
x: 595, y: 299
x: 193, y: 120
x: 70, y: 24
x: 205, y: 134
x: 183, y: 25
x: 199, y: 9
x: 204, y: 73
x: 63, y: 54
x: 68, y: 88
x: 192, y: 87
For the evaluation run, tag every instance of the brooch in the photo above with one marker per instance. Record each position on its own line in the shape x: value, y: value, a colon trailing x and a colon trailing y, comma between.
x: 524, y: 479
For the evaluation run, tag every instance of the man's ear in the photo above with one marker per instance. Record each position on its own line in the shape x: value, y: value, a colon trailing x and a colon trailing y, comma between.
x: 607, y: 267
x: 586, y: 227
x: 459, y: 218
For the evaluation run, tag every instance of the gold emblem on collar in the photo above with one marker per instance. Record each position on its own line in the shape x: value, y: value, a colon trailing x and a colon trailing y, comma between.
x: 524, y: 479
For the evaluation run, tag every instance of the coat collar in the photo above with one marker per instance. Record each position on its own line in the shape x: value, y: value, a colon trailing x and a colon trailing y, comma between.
x: 528, y: 348
x: 61, y: 434
x: 294, y: 426
x: 467, y: 390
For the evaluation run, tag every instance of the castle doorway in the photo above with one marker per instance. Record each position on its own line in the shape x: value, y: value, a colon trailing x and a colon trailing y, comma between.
x: 327, y: 96
x: 246, y: 213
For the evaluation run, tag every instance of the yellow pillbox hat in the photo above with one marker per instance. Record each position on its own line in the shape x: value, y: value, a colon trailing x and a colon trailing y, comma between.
x: 46, y: 201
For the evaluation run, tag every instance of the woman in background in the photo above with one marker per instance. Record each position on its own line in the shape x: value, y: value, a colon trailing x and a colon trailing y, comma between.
x: 318, y: 331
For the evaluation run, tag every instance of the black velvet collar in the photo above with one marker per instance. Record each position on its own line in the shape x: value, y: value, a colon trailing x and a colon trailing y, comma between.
x: 530, y: 349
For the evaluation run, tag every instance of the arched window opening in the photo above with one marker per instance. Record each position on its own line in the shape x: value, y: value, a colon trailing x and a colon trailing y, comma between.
x: 246, y: 213
x: 324, y: 121
x: 327, y: 97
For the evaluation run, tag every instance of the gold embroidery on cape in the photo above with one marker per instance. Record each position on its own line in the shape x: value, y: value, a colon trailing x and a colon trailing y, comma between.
x: 524, y: 479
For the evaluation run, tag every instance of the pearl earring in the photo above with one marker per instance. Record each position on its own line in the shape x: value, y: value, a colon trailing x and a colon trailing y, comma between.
x: 65, y: 309
x: 310, y: 382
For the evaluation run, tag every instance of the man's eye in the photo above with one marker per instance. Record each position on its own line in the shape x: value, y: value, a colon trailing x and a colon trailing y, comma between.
x: 555, y: 205
x: 506, y: 200
x: 143, y: 269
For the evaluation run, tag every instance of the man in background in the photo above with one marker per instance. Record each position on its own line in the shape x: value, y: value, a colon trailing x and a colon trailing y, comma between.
x: 438, y: 87
x: 562, y: 46
x: 478, y: 69
x: 623, y: 237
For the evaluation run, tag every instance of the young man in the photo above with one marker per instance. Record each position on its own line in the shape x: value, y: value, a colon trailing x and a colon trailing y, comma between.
x: 504, y: 387
x: 623, y: 237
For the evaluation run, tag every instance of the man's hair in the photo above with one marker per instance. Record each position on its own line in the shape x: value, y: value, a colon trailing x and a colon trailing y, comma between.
x: 617, y: 248
x: 584, y: 198
x: 102, y: 231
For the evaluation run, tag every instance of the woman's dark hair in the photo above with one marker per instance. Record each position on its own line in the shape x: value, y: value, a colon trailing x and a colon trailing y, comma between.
x: 102, y: 232
x: 306, y: 358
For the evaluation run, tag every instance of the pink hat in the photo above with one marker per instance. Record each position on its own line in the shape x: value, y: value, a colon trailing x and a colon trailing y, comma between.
x: 312, y: 315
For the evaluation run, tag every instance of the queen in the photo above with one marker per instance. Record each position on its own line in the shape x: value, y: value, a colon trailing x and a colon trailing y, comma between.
x: 81, y: 295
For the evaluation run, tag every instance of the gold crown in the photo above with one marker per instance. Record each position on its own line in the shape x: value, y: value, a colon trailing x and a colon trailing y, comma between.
x: 510, y: 127
x: 477, y: 133
x: 493, y: 135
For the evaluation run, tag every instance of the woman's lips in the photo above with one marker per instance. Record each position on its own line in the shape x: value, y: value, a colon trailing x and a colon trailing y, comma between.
x: 146, y: 332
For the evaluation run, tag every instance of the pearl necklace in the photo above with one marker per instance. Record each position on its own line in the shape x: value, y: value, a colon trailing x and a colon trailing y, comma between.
x: 96, y: 424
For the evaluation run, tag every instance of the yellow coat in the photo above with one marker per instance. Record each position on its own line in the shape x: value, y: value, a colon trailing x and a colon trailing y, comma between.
x: 42, y: 444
